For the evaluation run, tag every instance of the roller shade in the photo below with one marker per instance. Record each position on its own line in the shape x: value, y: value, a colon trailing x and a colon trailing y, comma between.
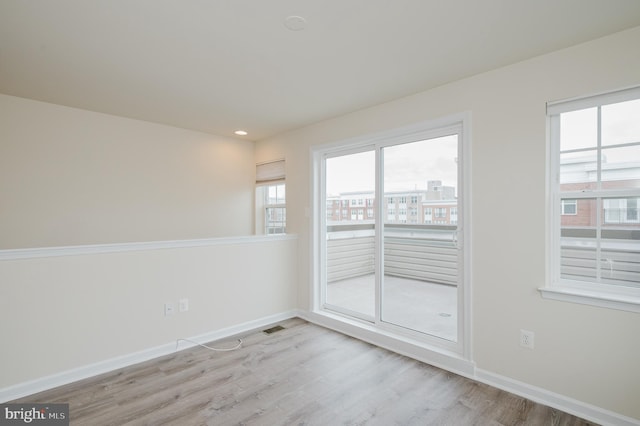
x: 575, y: 104
x: 270, y: 171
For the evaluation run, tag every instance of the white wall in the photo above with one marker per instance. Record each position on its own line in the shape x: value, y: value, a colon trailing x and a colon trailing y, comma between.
x: 70, y: 176
x: 582, y: 352
x: 61, y: 313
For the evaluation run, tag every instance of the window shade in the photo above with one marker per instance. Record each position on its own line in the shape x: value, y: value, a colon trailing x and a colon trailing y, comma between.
x: 270, y: 171
x: 575, y: 104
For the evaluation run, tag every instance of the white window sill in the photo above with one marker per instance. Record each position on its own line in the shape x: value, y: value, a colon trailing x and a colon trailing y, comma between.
x: 586, y: 297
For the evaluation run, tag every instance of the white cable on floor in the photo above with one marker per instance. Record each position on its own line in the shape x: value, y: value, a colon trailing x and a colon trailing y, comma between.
x: 209, y: 347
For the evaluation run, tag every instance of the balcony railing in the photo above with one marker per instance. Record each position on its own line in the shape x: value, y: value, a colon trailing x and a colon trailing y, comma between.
x: 616, y: 261
x: 428, y: 253
x: 420, y: 252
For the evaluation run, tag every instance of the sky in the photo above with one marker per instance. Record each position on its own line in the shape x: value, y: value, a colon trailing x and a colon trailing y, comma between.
x: 410, y: 166
x: 620, y: 124
x: 406, y: 167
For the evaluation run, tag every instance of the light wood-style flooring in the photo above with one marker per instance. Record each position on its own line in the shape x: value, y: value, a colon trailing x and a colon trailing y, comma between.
x: 302, y: 375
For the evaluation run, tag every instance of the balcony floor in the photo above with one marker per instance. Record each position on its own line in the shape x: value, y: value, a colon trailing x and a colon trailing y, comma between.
x: 418, y: 305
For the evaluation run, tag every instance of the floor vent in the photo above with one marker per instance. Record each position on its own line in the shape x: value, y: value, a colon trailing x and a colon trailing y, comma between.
x: 273, y: 329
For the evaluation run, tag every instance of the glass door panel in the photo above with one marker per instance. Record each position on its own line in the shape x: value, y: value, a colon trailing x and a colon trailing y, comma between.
x: 350, y: 234
x: 419, y: 286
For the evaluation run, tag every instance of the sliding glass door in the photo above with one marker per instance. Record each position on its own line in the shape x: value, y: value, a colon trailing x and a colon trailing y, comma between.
x: 350, y: 234
x: 391, y: 239
x: 420, y: 227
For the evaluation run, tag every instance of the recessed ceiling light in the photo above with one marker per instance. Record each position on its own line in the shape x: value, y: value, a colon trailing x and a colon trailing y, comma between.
x: 240, y: 133
x: 295, y: 23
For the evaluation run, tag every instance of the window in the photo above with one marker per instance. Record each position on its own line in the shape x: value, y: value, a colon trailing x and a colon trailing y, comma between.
x: 594, y: 180
x: 569, y: 207
x: 275, y: 210
x: 621, y: 211
x: 271, y: 211
x: 632, y: 209
x: 428, y: 216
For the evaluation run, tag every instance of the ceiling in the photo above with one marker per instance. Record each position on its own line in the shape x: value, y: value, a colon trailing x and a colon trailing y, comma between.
x: 221, y: 65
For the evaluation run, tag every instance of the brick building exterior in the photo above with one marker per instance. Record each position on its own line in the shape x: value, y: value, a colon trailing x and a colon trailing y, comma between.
x: 437, y: 205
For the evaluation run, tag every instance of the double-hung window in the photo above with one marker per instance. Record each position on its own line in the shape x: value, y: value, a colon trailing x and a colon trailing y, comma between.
x: 275, y: 209
x: 271, y: 210
x: 594, y: 188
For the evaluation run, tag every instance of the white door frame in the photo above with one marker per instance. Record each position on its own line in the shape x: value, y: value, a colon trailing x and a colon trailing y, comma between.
x: 429, y: 345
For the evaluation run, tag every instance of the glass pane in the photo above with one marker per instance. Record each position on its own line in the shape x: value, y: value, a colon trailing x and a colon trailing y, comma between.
x: 419, y: 290
x: 578, y: 240
x: 569, y: 207
x: 281, y: 194
x: 621, y: 123
x: 621, y: 167
x: 620, y: 247
x: 276, y: 220
x: 350, y: 268
x: 578, y: 170
x: 578, y: 259
x: 579, y: 129
x: 273, y: 195
x: 621, y: 211
x: 578, y: 213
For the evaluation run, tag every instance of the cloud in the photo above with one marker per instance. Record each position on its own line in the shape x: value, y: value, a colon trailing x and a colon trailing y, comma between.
x: 406, y: 167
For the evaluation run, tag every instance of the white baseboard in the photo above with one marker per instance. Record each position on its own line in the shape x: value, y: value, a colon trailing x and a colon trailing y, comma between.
x: 49, y: 382
x: 577, y: 408
x: 465, y: 368
x: 458, y: 366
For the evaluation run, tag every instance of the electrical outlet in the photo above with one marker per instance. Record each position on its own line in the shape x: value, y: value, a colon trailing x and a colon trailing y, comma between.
x: 168, y: 309
x: 183, y: 305
x: 526, y: 338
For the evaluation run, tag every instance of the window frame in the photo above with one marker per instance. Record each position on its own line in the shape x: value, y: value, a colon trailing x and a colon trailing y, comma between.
x: 318, y: 154
x: 565, y: 202
x: 268, y: 174
x: 277, y: 205
x: 600, y: 294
